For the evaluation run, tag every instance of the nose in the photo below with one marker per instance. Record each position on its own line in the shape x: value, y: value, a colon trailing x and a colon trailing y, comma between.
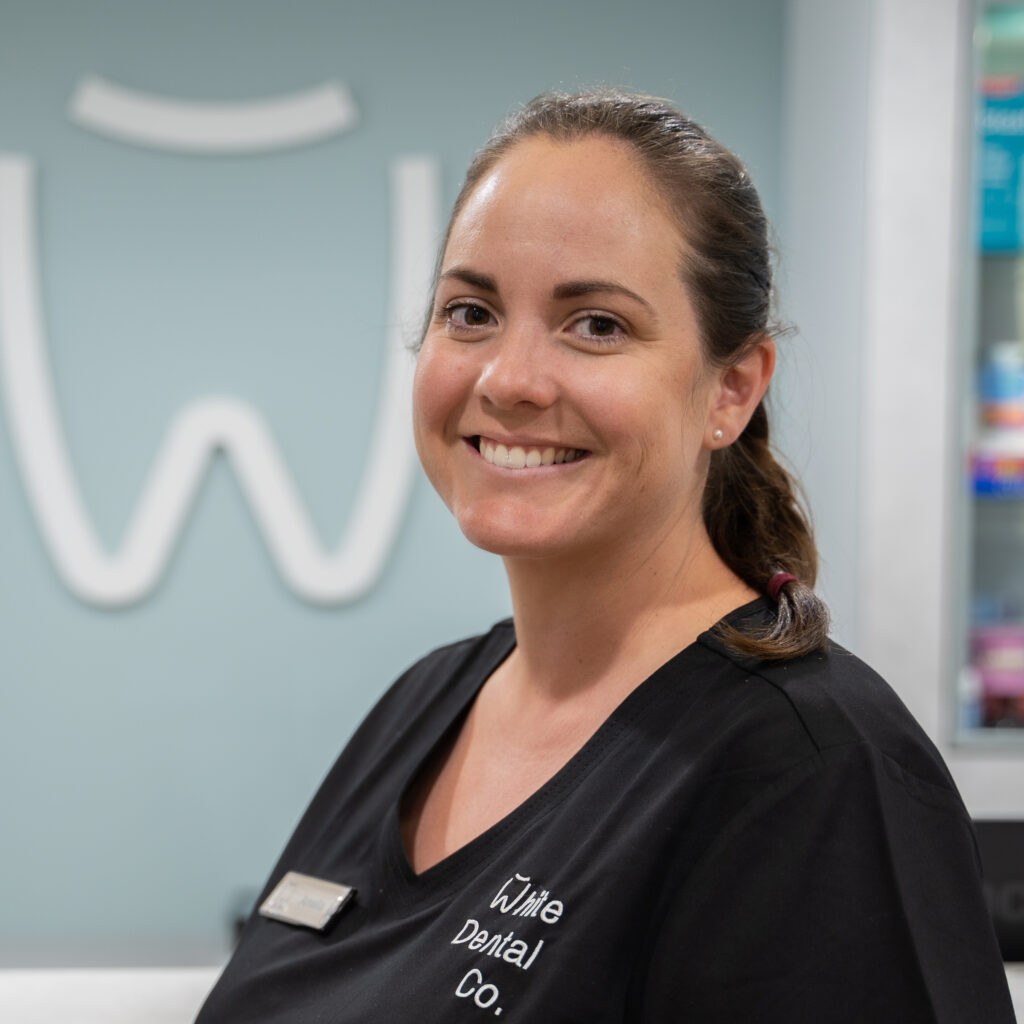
x: 518, y: 369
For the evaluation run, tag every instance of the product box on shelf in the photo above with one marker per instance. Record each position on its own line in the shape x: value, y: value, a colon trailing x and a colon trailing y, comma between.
x: 997, y: 656
x: 1002, y: 152
x: 997, y: 464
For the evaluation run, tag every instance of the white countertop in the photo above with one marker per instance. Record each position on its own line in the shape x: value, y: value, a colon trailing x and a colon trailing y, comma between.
x: 1015, y: 974
x: 88, y: 995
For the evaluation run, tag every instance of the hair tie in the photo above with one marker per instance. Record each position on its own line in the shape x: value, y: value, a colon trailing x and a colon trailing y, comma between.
x: 777, y: 582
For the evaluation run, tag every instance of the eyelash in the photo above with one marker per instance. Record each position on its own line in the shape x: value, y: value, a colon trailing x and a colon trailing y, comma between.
x: 445, y: 316
x: 603, y: 339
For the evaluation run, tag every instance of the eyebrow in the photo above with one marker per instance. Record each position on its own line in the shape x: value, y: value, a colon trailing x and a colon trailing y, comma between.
x: 471, y: 277
x: 576, y: 289
x: 567, y: 290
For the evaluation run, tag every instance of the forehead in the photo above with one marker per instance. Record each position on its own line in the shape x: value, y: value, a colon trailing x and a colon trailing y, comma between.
x: 593, y: 193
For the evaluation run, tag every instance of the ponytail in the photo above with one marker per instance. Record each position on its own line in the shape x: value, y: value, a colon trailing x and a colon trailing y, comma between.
x: 753, y: 514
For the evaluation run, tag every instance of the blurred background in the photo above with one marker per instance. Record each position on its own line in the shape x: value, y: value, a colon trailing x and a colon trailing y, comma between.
x: 217, y: 222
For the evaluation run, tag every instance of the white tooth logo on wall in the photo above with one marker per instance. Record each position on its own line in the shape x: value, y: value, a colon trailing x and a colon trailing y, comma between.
x: 215, y: 422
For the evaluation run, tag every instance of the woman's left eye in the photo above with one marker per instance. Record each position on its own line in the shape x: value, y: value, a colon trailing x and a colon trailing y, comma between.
x: 596, y: 327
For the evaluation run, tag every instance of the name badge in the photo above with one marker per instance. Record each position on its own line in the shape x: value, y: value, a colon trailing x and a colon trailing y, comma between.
x: 306, y: 901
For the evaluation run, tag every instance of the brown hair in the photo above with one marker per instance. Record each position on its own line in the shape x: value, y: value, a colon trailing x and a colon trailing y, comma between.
x: 751, y: 505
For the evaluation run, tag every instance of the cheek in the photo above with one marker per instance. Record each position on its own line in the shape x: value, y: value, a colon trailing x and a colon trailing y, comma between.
x: 438, y: 393
x: 670, y: 426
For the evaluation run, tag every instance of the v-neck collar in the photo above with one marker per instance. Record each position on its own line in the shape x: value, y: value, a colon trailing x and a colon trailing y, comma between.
x: 411, y: 891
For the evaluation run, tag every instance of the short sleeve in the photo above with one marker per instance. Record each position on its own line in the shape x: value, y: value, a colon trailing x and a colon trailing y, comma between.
x: 848, y: 892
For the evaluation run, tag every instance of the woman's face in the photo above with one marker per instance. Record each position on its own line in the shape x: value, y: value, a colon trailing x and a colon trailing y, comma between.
x: 561, y: 401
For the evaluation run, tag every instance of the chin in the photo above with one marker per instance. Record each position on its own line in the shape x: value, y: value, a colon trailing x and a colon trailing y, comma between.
x: 512, y: 537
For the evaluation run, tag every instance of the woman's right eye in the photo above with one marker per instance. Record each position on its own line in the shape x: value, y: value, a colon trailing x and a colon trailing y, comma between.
x: 465, y: 314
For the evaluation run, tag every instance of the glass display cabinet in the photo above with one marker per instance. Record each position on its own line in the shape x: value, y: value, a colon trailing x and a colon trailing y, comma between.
x: 992, y: 681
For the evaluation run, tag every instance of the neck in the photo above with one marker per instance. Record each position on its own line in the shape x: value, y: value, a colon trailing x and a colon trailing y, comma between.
x: 609, y: 622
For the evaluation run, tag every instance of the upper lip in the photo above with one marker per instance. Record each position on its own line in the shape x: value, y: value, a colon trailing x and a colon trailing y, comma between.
x: 520, y: 442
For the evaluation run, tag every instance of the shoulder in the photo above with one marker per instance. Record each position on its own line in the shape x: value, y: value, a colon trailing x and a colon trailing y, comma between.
x: 432, y: 690
x: 445, y: 667
x: 399, y: 729
x: 836, y: 702
x: 837, y: 835
x: 447, y: 673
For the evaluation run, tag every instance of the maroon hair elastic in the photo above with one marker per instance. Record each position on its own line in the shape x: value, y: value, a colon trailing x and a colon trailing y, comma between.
x: 777, y: 582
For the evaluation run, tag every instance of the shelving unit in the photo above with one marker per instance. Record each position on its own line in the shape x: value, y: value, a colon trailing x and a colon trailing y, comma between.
x: 991, y: 693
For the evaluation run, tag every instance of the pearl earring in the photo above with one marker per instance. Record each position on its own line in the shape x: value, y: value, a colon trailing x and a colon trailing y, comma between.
x: 717, y: 434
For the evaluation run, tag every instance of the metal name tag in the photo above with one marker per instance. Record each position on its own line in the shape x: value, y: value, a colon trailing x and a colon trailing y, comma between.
x: 305, y: 900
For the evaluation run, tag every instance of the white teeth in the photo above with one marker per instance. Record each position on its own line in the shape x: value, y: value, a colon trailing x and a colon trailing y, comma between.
x: 518, y: 457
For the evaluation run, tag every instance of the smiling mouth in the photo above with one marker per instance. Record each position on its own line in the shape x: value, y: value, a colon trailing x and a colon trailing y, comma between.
x: 524, y: 456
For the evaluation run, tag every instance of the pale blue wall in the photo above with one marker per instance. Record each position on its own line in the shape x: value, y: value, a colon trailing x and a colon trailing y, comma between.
x: 154, y: 759
x: 818, y: 400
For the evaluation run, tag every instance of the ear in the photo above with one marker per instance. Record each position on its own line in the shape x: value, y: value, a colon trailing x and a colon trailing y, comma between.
x: 737, y: 391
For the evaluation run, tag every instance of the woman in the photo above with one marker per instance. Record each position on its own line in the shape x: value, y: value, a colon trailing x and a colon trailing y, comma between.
x: 660, y: 795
